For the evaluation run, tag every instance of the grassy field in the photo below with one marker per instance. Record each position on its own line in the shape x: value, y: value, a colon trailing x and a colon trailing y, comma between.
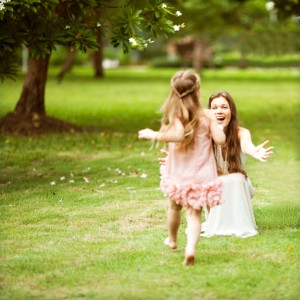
x: 82, y: 216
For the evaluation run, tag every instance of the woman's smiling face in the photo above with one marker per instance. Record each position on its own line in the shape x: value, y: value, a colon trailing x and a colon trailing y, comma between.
x: 221, y: 109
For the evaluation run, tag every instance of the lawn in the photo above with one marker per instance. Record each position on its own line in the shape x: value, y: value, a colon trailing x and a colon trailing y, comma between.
x: 82, y: 216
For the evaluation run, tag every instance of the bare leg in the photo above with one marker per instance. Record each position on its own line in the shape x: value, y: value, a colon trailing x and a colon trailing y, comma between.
x: 193, y: 233
x: 173, y: 219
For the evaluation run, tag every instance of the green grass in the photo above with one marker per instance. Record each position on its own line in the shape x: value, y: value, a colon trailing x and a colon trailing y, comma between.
x: 102, y: 239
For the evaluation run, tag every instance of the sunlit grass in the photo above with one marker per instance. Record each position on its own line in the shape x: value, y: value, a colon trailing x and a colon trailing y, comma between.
x: 97, y: 232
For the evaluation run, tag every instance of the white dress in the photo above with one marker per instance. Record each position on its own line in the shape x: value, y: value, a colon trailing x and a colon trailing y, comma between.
x: 235, y: 216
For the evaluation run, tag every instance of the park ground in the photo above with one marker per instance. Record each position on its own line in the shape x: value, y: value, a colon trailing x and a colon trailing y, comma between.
x: 82, y: 216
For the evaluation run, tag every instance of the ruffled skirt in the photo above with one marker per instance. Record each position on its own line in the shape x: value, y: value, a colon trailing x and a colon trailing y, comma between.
x: 193, y: 195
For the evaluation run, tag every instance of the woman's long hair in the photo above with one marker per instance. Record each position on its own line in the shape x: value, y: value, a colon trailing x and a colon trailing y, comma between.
x: 232, y: 145
x: 183, y: 103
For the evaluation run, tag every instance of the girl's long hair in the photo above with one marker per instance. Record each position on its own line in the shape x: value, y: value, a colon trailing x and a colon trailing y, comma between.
x: 183, y: 103
x: 232, y: 145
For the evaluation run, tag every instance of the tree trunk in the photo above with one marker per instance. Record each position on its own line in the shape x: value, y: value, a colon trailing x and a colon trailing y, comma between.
x: 97, y: 57
x: 67, y: 65
x: 198, y: 55
x: 32, y: 99
x: 29, y: 117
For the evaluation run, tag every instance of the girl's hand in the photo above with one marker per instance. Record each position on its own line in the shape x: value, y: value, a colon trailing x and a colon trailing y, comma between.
x: 261, y: 153
x: 147, y: 134
x: 163, y: 160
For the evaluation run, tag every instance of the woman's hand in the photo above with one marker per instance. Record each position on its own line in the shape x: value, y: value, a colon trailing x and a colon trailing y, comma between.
x: 261, y: 153
x: 147, y: 134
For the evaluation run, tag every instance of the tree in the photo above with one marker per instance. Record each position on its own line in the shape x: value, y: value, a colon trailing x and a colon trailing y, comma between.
x: 41, y: 25
x: 242, y: 25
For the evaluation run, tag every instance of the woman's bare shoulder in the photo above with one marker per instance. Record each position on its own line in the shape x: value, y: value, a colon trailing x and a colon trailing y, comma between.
x: 244, y: 132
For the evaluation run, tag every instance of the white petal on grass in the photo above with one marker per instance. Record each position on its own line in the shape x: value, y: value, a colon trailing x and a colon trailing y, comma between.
x: 144, y: 175
x: 101, y: 185
x: 71, y: 181
x: 86, y: 179
x: 112, y: 181
x: 62, y: 178
x: 99, y: 191
x: 52, y: 183
x: 86, y: 170
x: 118, y: 171
x: 178, y: 13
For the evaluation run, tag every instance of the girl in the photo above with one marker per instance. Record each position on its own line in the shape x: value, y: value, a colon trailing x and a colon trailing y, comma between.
x: 189, y: 177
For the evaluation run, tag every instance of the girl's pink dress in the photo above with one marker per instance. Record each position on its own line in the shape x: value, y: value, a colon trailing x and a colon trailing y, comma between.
x: 190, y: 177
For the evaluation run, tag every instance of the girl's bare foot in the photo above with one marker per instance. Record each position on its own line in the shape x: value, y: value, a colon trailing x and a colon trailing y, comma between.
x: 189, y: 260
x: 170, y: 244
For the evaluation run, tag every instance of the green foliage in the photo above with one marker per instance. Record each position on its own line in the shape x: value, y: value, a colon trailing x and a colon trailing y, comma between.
x: 8, y: 66
x: 247, y: 26
x: 287, y: 8
x: 165, y: 62
x: 233, y: 59
x: 42, y: 25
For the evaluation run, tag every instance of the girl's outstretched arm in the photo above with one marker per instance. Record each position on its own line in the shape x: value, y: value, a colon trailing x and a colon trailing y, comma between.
x: 174, y: 134
x: 217, y: 132
x: 258, y: 152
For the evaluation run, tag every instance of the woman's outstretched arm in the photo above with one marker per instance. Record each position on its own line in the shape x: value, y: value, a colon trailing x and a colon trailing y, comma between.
x: 258, y: 152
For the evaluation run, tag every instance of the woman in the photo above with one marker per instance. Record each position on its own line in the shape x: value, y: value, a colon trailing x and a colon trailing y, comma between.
x: 235, y: 216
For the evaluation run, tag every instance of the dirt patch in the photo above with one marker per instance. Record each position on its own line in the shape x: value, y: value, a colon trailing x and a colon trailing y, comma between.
x: 14, y: 124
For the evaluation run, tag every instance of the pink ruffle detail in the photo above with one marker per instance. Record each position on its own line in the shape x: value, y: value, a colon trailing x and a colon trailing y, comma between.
x: 193, y: 195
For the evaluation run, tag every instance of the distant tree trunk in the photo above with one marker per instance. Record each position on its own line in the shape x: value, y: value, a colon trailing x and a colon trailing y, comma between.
x: 198, y: 55
x: 67, y: 65
x: 97, y: 57
x: 32, y: 99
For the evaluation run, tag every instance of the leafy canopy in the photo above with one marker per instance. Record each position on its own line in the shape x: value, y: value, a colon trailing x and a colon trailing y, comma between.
x: 40, y: 25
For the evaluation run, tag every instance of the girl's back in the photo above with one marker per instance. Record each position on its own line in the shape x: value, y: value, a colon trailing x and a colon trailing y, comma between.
x: 189, y: 174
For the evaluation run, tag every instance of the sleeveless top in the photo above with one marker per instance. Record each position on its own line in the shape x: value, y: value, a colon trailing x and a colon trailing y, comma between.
x: 223, y: 164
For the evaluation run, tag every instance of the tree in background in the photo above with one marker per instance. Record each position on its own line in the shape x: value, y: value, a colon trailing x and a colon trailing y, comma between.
x: 41, y: 25
x: 240, y: 25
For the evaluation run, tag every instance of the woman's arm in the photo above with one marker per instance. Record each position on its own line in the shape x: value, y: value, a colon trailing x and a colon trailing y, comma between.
x: 258, y: 152
x: 174, y: 134
x: 216, y: 130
